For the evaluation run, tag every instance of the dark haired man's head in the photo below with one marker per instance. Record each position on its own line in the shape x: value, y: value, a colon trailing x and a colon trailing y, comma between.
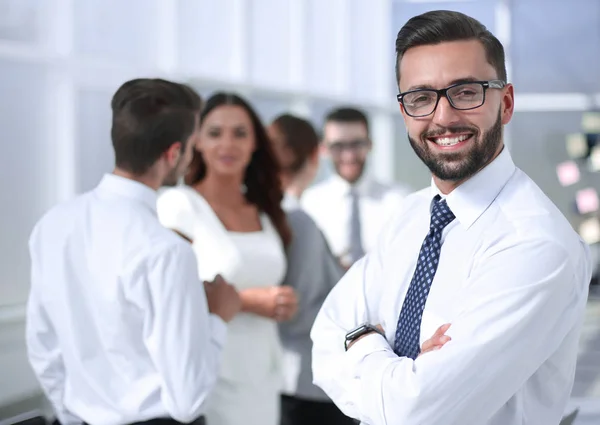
x: 461, y: 132
x: 442, y: 26
x: 296, y: 146
x: 154, y: 123
x: 346, y: 140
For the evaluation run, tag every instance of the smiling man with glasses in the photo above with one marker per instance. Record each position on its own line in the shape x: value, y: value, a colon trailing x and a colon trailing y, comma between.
x: 482, y: 260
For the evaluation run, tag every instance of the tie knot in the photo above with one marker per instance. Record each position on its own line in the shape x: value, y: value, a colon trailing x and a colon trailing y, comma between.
x: 441, y: 215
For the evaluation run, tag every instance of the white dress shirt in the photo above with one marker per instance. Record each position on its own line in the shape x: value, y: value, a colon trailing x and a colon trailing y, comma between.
x: 512, y: 280
x: 329, y: 203
x: 118, y: 328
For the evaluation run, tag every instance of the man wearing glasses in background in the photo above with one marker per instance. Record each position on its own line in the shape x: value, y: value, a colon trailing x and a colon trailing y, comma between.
x: 350, y: 207
x: 482, y: 255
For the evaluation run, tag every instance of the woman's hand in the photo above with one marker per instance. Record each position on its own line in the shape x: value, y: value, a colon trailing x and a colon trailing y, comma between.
x: 275, y: 302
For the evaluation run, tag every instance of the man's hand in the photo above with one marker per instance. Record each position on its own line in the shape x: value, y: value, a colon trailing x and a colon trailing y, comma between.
x: 437, y: 341
x: 223, y: 299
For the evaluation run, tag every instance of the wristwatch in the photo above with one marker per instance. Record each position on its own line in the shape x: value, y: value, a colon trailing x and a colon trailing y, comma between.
x: 359, y: 331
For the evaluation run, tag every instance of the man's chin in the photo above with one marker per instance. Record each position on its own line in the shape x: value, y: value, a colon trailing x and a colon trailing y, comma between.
x: 352, y: 174
x: 452, y: 172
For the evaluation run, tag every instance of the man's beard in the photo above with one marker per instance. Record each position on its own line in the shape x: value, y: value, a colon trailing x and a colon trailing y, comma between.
x: 456, y: 166
x: 354, y: 178
x: 172, y: 179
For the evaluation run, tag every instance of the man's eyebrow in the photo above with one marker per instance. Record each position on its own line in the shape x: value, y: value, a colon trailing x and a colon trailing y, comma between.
x: 468, y: 79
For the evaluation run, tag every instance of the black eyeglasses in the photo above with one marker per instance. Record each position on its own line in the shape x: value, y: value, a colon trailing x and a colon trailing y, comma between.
x: 336, y: 148
x: 461, y: 96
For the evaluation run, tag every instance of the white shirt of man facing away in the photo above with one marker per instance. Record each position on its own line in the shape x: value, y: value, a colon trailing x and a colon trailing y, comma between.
x: 483, y: 257
x: 119, y: 328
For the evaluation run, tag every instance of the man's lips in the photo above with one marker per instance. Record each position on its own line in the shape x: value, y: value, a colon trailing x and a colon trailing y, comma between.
x: 451, y: 140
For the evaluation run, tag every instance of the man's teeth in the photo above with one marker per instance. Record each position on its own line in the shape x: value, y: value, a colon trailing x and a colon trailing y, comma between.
x: 450, y: 141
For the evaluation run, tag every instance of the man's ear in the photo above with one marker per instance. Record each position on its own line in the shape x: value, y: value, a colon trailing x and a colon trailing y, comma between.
x: 173, y: 153
x: 508, y: 104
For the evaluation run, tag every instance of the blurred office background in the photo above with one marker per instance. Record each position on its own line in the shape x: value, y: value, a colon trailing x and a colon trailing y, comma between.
x: 61, y: 61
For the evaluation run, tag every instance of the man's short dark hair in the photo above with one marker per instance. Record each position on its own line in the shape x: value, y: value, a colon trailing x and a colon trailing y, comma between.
x: 347, y: 115
x: 443, y: 25
x: 149, y: 115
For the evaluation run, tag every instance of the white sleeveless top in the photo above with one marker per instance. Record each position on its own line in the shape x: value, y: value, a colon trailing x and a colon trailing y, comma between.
x: 246, y: 260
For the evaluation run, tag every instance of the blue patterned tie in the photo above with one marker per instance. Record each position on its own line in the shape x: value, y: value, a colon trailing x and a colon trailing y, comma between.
x: 409, y: 323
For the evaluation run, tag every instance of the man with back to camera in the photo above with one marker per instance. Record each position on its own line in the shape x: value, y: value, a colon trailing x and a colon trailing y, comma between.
x: 350, y: 207
x: 482, y: 251
x: 119, y: 328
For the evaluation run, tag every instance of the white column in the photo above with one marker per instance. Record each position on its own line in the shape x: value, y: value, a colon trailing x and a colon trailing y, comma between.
x: 240, y: 53
x: 61, y: 102
x: 298, y: 32
x: 503, y: 33
x: 382, y: 161
x: 382, y: 157
x: 341, y: 31
x: 167, y: 52
x: 385, y: 65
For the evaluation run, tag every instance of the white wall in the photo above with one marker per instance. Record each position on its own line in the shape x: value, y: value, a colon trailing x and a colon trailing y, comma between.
x: 61, y: 60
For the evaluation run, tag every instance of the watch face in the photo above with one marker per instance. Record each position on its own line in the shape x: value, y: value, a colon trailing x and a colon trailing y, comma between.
x: 356, y: 331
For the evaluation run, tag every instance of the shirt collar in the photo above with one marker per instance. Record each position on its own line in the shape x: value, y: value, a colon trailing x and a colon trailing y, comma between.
x: 128, y: 188
x: 469, y: 200
x: 290, y: 202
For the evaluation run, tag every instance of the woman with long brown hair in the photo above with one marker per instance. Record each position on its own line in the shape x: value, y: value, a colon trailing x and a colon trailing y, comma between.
x: 230, y: 209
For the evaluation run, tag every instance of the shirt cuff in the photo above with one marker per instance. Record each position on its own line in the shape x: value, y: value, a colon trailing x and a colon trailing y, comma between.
x: 353, y: 359
x: 218, y: 329
x: 356, y: 367
x: 362, y: 348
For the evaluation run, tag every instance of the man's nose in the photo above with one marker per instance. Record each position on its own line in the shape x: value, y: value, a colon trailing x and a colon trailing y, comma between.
x: 348, y: 154
x: 445, y: 115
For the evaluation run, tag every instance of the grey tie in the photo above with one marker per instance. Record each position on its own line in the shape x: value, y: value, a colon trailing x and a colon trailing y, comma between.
x: 356, y: 248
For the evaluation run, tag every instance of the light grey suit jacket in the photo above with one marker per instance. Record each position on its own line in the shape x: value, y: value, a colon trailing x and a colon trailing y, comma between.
x: 312, y: 272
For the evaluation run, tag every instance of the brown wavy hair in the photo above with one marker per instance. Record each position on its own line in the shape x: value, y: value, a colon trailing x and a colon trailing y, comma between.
x: 263, y: 187
x: 300, y: 137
